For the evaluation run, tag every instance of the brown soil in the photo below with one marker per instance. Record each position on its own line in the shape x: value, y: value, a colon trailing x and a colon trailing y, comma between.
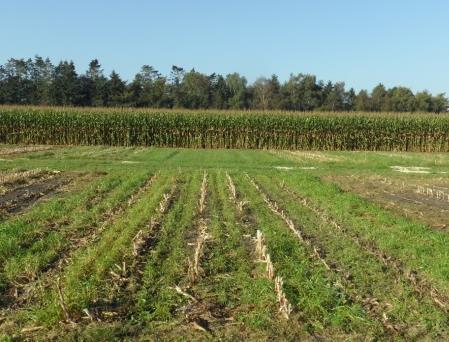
x: 399, y: 197
x: 20, y: 198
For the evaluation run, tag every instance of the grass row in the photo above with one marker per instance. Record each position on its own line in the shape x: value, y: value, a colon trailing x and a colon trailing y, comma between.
x: 166, y: 266
x: 233, y: 284
x: 20, y: 232
x: 415, y: 244
x: 27, y: 263
x: 232, y: 297
x: 85, y: 282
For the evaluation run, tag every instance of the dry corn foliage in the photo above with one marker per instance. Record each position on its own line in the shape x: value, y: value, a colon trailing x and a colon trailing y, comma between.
x: 240, y: 204
x: 261, y: 253
x: 194, y: 269
x: 433, y: 193
x: 23, y: 176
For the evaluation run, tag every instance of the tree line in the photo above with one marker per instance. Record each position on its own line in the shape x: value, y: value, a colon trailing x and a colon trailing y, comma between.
x: 40, y: 82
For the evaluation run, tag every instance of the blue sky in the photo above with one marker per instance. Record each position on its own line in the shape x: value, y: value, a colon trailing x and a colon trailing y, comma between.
x: 395, y: 42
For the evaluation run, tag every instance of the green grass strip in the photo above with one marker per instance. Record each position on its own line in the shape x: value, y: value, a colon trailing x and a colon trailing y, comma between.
x: 29, y: 262
x: 418, y: 246
x: 234, y: 278
x: 85, y: 280
x: 166, y: 265
x: 21, y: 231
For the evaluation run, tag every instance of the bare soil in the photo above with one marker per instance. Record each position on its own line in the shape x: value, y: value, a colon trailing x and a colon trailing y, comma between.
x: 20, y: 198
x: 399, y: 196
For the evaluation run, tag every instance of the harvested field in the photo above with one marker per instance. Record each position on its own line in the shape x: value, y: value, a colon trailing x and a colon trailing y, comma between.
x: 175, y: 244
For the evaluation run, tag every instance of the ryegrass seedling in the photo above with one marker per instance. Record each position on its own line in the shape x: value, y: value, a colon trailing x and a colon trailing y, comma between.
x: 140, y: 239
x: 136, y: 195
x: 420, y: 284
x: 274, y: 207
x: 368, y: 278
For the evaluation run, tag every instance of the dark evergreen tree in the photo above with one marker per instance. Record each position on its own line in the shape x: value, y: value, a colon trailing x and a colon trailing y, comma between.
x: 175, y: 91
x: 349, y: 100
x: 41, y: 77
x: 65, y: 89
x: 114, y: 93
x: 17, y: 84
x: 94, y: 85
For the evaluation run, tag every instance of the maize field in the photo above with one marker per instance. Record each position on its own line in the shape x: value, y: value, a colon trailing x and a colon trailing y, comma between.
x: 225, y: 129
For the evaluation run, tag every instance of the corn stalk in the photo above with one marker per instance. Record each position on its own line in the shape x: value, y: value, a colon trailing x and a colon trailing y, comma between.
x: 194, y: 270
x: 261, y: 253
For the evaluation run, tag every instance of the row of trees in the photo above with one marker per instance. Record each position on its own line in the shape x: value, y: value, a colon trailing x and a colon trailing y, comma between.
x: 39, y: 82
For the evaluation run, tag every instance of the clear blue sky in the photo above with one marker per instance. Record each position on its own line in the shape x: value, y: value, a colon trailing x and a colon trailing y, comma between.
x: 397, y: 42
